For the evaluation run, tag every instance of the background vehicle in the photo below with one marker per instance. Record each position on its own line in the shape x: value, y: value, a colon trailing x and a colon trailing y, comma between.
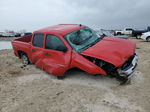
x: 17, y: 35
x: 127, y: 31
x: 108, y: 34
x: 8, y: 35
x: 56, y: 49
x: 26, y: 34
x: 146, y: 36
x: 5, y: 34
x: 138, y: 33
x: 1, y: 34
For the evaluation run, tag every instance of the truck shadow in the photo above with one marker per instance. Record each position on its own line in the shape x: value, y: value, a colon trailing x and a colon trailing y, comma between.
x: 78, y: 76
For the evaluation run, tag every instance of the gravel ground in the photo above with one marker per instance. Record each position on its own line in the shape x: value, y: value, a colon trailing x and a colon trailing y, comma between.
x: 29, y: 89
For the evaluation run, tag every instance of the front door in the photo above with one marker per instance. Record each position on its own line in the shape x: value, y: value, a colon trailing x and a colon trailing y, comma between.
x: 57, y: 57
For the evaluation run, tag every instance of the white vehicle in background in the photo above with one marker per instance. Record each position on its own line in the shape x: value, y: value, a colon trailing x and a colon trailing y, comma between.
x: 8, y: 34
x: 127, y: 31
x: 146, y: 36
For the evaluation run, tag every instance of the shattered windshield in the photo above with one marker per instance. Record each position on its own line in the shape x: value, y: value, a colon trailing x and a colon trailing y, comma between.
x: 82, y: 39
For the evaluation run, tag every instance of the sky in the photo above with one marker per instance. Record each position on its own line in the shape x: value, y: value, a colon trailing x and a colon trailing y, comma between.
x: 105, y: 14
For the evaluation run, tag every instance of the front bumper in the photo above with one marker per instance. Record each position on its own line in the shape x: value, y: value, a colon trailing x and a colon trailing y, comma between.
x: 128, y: 72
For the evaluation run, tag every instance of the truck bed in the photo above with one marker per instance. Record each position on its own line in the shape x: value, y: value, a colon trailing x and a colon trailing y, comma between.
x: 26, y: 39
x: 22, y: 45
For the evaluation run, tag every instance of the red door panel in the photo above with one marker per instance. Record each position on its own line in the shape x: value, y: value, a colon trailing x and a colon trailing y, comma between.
x: 56, y: 62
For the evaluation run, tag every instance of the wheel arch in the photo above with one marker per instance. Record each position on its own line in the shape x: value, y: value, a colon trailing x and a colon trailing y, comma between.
x: 147, y: 38
x: 20, y: 53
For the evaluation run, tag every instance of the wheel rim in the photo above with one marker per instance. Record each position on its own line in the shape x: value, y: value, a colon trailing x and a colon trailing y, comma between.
x: 24, y: 60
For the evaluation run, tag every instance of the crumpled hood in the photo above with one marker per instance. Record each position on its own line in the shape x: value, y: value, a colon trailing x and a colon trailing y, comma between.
x: 113, y: 50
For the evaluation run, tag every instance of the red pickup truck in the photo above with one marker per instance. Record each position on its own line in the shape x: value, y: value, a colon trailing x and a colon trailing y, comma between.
x: 58, y: 48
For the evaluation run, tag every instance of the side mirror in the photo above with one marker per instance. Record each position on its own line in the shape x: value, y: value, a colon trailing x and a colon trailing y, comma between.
x: 62, y: 48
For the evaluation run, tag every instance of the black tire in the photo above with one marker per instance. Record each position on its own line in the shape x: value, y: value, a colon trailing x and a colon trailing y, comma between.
x: 25, y: 59
x: 137, y: 37
x: 148, y: 39
x: 119, y: 33
x: 123, y: 80
x: 60, y: 77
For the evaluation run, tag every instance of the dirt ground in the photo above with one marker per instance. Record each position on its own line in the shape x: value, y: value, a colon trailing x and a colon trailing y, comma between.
x: 29, y: 89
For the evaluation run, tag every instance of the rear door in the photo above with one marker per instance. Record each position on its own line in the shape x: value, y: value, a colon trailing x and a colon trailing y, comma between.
x: 57, y: 56
x: 37, y: 49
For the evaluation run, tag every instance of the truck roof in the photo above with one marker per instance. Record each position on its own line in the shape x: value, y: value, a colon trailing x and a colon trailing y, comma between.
x: 61, y: 29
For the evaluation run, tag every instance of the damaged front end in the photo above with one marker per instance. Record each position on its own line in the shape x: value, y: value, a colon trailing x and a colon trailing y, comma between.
x: 123, y: 73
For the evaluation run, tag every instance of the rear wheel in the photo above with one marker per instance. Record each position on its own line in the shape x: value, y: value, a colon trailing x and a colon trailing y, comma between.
x: 25, y: 59
x: 148, y: 39
x: 138, y: 37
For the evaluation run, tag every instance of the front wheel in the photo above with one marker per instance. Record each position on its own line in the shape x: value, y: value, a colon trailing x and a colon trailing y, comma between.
x: 25, y: 59
x: 60, y: 77
x: 123, y: 80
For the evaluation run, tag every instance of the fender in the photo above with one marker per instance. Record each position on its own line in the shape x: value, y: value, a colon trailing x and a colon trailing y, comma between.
x: 80, y: 62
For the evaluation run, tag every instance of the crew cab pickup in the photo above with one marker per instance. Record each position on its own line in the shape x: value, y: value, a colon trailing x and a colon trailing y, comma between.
x: 127, y: 31
x: 58, y: 48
